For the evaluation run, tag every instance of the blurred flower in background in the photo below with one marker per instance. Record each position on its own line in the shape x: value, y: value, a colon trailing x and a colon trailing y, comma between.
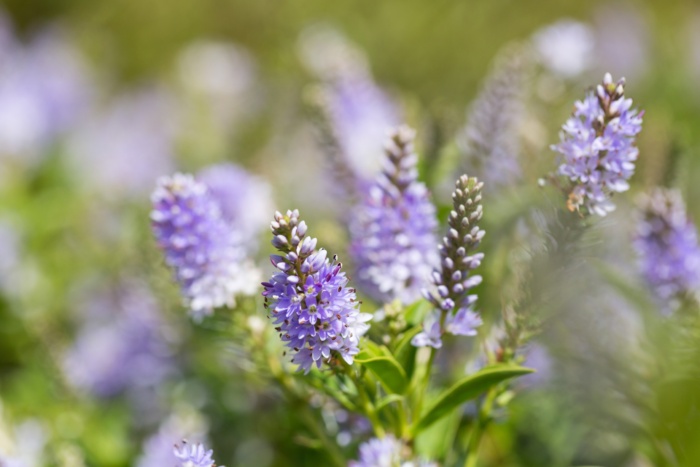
x: 122, y: 343
x: 566, y: 47
x: 120, y: 149
x: 208, y: 249
x: 392, y: 228
x: 45, y: 87
x: 668, y: 249
x: 359, y: 113
x: 245, y: 200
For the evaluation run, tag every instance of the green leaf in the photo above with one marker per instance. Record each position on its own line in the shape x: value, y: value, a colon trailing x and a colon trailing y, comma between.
x: 391, y: 398
x: 388, y: 372
x: 469, y: 388
x: 405, y: 353
x: 416, y: 311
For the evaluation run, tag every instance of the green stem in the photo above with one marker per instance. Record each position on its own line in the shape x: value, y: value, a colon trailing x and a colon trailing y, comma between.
x: 403, y: 425
x: 367, y: 405
x: 477, y: 433
x: 312, y: 423
x: 423, y: 386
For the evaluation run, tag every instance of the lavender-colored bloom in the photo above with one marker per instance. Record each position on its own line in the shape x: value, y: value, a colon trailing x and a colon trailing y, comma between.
x: 453, y: 303
x: 245, y: 199
x: 392, y: 239
x: 122, y: 148
x: 597, y: 151
x: 122, y: 343
x: 360, y: 114
x: 194, y: 455
x: 386, y: 452
x: 315, y: 312
x: 204, y: 249
x: 463, y: 323
x: 44, y: 89
x: 356, y: 112
x: 431, y: 336
x: 667, y: 245
x: 490, y: 140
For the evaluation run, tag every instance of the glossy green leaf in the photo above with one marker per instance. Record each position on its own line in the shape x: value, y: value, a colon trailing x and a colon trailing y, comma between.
x: 416, y: 311
x: 388, y: 372
x: 405, y: 353
x: 467, y: 389
x: 390, y: 399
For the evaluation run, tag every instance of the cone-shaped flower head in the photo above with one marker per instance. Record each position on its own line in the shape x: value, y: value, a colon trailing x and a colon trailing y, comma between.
x: 194, y: 455
x: 203, y: 248
x: 667, y: 245
x: 393, y: 229
x: 597, y: 151
x: 386, y: 452
x: 451, y: 297
x: 312, y: 307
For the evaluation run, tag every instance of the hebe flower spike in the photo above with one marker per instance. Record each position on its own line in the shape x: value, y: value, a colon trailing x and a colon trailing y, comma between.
x: 312, y: 307
x: 452, y: 281
x: 597, y: 148
x: 392, y: 229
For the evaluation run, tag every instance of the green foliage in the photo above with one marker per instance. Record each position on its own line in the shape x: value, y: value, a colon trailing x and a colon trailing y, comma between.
x: 467, y: 389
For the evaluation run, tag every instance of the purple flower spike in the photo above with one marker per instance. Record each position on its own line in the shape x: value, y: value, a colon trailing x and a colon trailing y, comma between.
x: 194, y: 455
x: 393, y: 229
x: 667, y: 245
x: 597, y: 151
x: 451, y: 298
x: 204, y: 249
x: 312, y: 307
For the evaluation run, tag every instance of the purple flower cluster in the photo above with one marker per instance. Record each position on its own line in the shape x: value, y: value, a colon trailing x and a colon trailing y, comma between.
x: 360, y: 115
x: 194, y: 455
x: 355, y: 113
x: 123, y: 342
x: 314, y: 310
x: 452, y: 300
x: 386, y: 452
x: 45, y: 88
x: 392, y: 231
x: 597, y: 149
x: 667, y: 245
x: 203, y: 247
